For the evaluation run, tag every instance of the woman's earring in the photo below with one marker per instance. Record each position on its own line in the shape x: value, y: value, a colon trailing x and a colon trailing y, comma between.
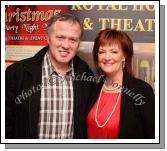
x: 123, y: 64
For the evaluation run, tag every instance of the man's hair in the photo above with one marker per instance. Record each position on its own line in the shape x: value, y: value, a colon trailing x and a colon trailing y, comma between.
x: 63, y: 17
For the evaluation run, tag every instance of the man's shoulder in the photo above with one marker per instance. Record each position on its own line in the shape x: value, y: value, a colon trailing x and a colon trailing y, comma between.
x: 79, y: 62
x: 19, y: 63
x: 81, y: 66
x: 28, y: 61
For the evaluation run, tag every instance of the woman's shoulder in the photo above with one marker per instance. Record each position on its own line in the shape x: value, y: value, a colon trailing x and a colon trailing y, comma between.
x: 140, y: 88
x: 141, y: 85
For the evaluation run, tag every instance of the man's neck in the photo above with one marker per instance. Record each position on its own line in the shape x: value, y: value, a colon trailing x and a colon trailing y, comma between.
x: 60, y: 68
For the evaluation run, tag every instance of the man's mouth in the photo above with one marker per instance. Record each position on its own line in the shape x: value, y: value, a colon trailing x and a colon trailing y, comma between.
x: 63, y: 53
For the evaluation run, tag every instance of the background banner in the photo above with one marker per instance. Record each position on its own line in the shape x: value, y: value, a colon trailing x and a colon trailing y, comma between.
x: 25, y: 32
x: 137, y: 20
x: 25, y: 25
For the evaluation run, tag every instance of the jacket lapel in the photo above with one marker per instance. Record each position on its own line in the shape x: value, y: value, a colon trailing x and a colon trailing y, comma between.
x: 94, y: 96
x: 34, y: 70
x: 123, y: 103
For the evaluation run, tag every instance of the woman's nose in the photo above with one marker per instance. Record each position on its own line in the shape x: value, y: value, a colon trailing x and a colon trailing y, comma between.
x: 107, y: 56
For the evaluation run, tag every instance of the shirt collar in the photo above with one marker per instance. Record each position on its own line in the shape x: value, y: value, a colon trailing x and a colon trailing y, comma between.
x: 52, y: 70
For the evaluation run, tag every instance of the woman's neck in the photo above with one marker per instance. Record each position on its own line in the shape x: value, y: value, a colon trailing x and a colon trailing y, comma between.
x: 115, y: 78
x: 113, y: 82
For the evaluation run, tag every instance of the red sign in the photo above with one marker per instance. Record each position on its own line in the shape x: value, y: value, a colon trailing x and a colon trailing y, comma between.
x: 25, y: 25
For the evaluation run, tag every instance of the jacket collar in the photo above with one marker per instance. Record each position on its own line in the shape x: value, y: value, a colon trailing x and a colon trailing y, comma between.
x: 34, y: 64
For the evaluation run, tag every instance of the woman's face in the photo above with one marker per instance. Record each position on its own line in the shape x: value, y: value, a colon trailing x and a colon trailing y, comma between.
x: 110, y: 59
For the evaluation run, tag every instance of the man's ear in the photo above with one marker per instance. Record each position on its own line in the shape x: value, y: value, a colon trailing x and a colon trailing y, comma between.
x: 48, y: 39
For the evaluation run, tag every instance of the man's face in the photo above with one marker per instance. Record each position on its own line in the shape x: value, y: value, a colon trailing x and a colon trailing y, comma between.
x: 63, y: 42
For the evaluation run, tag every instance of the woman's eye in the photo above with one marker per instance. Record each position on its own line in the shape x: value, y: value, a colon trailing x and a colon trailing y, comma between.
x: 101, y: 52
x: 114, y: 52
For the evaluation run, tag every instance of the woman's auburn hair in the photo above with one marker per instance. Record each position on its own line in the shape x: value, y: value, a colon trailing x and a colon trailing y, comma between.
x: 110, y: 37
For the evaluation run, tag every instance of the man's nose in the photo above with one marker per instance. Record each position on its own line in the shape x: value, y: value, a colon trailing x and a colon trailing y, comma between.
x: 66, y: 44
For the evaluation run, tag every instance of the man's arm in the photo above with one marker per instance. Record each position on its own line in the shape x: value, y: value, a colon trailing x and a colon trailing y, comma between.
x: 10, y: 89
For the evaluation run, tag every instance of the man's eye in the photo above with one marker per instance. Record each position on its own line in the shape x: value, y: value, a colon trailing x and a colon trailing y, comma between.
x: 61, y: 38
x: 73, y: 40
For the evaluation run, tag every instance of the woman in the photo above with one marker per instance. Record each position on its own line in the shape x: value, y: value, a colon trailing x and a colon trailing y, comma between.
x: 121, y: 105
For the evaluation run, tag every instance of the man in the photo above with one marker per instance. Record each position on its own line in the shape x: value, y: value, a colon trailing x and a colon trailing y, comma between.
x: 43, y: 97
